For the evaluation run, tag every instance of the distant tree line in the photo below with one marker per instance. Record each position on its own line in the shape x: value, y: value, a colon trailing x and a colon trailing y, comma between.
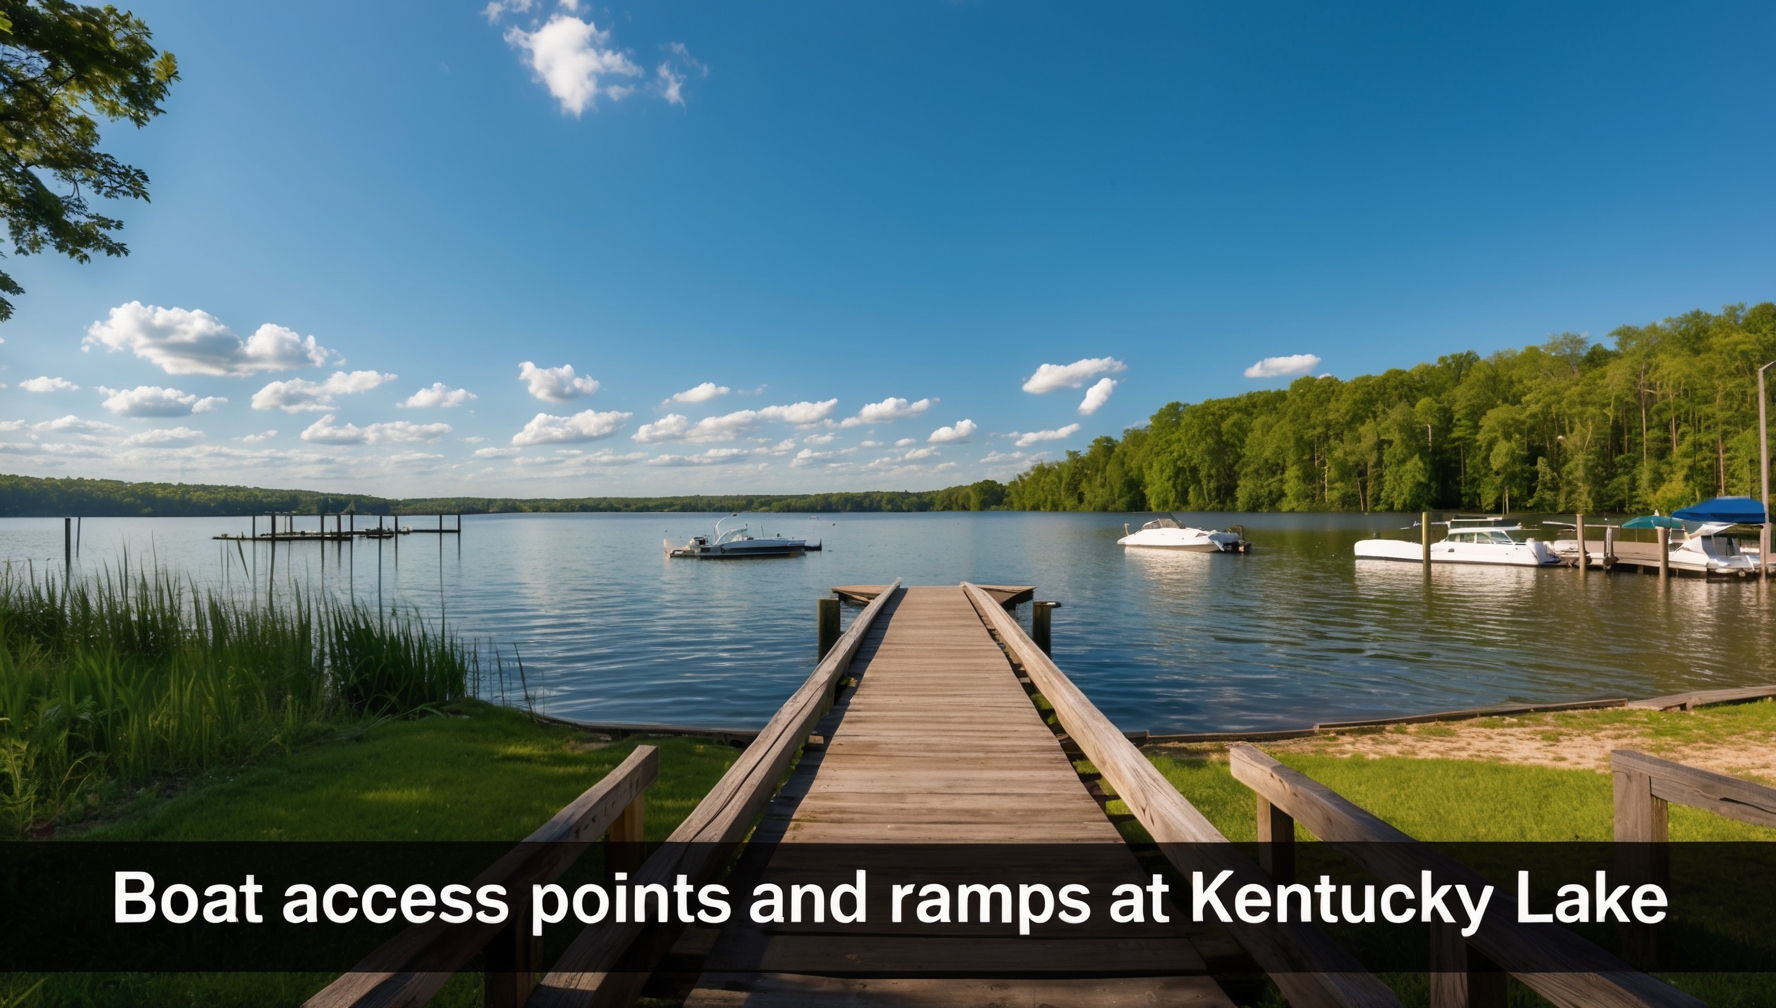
x: 28, y: 496
x: 1663, y: 416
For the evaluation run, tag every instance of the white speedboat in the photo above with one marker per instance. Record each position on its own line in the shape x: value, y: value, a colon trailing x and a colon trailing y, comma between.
x: 1167, y: 533
x: 736, y: 543
x: 1471, y: 541
x: 1707, y: 551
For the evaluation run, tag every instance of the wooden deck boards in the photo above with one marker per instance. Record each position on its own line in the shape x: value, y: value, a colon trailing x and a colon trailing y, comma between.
x: 938, y: 743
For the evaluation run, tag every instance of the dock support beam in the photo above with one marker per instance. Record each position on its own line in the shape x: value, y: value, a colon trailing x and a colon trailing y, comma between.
x: 1424, y: 538
x: 68, y: 544
x: 1579, y: 531
x: 1664, y: 553
x: 1041, y: 623
x: 828, y: 610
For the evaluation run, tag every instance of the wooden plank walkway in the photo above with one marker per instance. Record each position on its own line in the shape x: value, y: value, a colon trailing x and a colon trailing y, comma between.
x: 938, y: 743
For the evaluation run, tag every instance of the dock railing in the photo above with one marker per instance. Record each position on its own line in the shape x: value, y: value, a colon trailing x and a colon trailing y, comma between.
x: 410, y: 968
x: 701, y: 845
x: 1557, y: 964
x: 1308, y: 967
x: 1645, y: 787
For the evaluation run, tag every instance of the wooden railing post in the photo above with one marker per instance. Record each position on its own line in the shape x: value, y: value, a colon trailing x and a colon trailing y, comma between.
x: 622, y: 845
x: 1276, y: 842
x: 513, y: 960
x: 1460, y: 976
x: 1642, y: 827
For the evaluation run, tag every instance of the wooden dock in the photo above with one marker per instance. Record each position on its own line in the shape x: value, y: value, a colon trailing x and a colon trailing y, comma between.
x: 919, y: 726
x: 938, y: 743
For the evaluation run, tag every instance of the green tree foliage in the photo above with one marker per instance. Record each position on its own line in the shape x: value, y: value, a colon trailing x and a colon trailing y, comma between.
x: 1663, y: 416
x: 61, y: 64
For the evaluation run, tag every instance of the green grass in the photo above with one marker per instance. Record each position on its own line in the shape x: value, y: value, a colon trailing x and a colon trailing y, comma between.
x: 479, y: 772
x: 1444, y: 799
x: 121, y: 680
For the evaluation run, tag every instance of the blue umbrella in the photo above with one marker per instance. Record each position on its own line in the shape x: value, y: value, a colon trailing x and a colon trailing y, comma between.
x: 1738, y: 510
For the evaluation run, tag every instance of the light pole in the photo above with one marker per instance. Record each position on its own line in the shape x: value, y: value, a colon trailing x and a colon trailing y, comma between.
x: 1764, y: 470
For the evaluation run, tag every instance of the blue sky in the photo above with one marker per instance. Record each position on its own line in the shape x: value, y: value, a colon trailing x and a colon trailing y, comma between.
x: 868, y: 223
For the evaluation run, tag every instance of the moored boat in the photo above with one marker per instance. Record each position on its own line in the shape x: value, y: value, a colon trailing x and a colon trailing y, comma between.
x: 1170, y: 534
x: 737, y: 543
x: 1470, y: 540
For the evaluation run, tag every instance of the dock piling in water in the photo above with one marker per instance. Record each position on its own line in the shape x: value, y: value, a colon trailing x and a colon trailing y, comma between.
x: 1041, y: 623
x: 827, y: 610
x: 1664, y: 552
x: 1424, y: 539
x: 1579, y: 533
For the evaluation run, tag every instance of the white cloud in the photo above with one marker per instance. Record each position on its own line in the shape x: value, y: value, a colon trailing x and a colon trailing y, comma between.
x: 155, y: 401
x: 1050, y: 377
x: 569, y: 56
x: 887, y: 411
x: 699, y: 393
x: 495, y: 452
x: 590, y: 425
x: 557, y: 384
x: 819, y: 439
x: 261, y: 436
x: 438, y: 395
x: 324, y: 431
x: 1277, y: 367
x: 714, y: 456
x: 195, y: 342
x: 298, y: 395
x: 906, y: 442
x: 953, y: 435
x: 47, y: 384
x: 1026, y: 440
x: 670, y: 75
x: 802, y: 414
x: 76, y: 425
x: 808, y: 457
x: 1002, y: 456
x: 1097, y: 396
x: 493, y: 10
x: 164, y: 436
x: 728, y: 426
x: 919, y: 453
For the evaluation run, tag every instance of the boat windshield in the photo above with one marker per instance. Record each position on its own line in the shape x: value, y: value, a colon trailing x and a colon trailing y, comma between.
x: 1495, y: 536
x: 1161, y: 523
x: 1720, y: 545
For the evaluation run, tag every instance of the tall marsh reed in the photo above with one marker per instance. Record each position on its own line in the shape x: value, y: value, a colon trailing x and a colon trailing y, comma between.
x: 120, y: 679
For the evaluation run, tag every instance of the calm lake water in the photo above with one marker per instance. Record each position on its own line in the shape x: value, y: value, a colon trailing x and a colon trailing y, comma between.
x: 1295, y: 632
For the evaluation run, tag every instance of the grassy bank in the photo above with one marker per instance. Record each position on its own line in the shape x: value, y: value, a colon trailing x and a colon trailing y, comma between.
x: 125, y: 680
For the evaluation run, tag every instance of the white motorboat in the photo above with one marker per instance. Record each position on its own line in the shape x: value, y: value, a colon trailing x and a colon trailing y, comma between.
x: 737, y: 543
x: 1470, y: 541
x: 1704, y: 550
x: 1167, y: 533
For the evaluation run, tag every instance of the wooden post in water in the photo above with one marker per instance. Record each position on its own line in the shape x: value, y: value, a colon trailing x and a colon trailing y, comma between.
x: 828, y: 611
x: 1424, y: 538
x: 1041, y: 622
x: 1664, y: 553
x: 1609, y: 546
x: 1579, y: 530
x: 68, y: 544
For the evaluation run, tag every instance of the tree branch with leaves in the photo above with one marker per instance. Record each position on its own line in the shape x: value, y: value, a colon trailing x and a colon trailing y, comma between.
x: 62, y: 67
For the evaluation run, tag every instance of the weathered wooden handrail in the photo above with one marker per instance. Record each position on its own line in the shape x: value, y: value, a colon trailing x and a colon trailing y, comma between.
x: 582, y: 976
x: 1554, y: 962
x: 1309, y: 968
x: 411, y: 967
x: 1646, y: 785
